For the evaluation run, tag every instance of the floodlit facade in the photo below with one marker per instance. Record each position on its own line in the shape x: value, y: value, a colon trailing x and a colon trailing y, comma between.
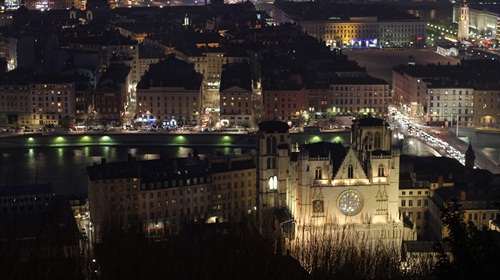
x: 324, y: 184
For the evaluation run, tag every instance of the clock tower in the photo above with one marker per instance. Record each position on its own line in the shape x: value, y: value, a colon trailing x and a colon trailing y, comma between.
x: 463, y: 22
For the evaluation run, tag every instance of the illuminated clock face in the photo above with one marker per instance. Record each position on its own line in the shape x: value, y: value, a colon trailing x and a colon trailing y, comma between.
x: 350, y: 203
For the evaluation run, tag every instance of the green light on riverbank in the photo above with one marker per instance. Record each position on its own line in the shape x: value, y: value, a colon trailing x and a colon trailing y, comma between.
x: 85, y: 139
x: 59, y: 140
x: 105, y: 138
x: 31, y: 139
x: 179, y: 139
x: 337, y: 139
x: 315, y: 139
x: 226, y: 139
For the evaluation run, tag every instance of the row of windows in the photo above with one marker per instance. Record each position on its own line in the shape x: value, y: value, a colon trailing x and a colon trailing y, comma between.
x: 358, y: 101
x: 445, y: 104
x: 196, y: 210
x: 165, y: 97
x: 438, y: 111
x: 484, y: 216
x: 418, y: 192
x: 158, y: 104
x: 23, y: 199
x: 12, y: 97
x: 438, y: 97
x: 410, y: 202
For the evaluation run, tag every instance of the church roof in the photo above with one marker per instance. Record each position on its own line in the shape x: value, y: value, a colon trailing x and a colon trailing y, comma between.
x: 337, y: 152
x: 171, y: 72
x: 273, y: 126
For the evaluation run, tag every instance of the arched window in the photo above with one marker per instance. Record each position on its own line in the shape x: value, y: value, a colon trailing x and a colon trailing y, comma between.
x: 269, y: 163
x: 369, y: 141
x: 350, y: 172
x: 378, y: 141
x: 274, y: 163
x: 381, y: 170
x: 269, y: 144
x: 273, y: 183
x: 317, y: 173
x: 273, y: 145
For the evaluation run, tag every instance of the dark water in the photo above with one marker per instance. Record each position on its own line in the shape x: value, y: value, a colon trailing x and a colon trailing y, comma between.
x: 64, y: 168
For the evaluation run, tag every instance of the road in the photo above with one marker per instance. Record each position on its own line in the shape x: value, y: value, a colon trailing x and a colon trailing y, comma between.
x: 481, y: 161
x: 440, y: 140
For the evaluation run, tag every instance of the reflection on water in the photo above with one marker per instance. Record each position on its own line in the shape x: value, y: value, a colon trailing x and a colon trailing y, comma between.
x: 64, y: 168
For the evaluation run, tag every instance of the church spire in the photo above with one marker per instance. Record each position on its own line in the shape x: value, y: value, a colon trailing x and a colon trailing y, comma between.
x: 469, y: 157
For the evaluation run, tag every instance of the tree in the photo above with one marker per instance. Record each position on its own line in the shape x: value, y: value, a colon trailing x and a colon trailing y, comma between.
x: 474, y: 253
x: 67, y: 121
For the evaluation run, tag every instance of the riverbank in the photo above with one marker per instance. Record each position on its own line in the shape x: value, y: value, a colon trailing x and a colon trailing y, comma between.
x: 191, y: 139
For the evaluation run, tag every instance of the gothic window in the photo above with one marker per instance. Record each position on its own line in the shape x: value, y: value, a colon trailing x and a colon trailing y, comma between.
x: 268, y: 162
x: 273, y: 183
x: 318, y: 173
x: 350, y: 171
x: 381, y: 171
x: 370, y: 141
x: 271, y: 145
x: 318, y: 206
x: 377, y: 142
x: 274, y: 163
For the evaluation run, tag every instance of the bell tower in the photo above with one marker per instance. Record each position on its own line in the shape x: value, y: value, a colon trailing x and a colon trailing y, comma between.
x: 273, y: 165
x: 463, y: 22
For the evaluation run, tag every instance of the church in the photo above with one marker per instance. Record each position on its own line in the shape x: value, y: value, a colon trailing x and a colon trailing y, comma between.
x: 306, y: 187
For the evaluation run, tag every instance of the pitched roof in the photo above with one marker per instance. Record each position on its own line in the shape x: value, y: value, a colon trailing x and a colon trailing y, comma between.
x: 273, y: 127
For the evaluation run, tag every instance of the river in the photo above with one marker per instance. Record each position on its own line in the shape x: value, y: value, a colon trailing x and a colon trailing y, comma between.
x: 64, y: 168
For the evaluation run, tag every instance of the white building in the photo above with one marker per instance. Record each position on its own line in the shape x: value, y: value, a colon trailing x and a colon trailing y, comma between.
x: 355, y: 26
x: 325, y: 184
x: 450, y: 102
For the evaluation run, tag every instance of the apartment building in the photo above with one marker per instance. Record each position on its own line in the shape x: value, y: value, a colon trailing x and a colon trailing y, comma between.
x: 52, y: 99
x: 451, y: 103
x: 159, y: 196
x: 15, y: 104
x: 487, y: 106
x: 359, y: 96
x: 284, y: 104
x: 169, y: 94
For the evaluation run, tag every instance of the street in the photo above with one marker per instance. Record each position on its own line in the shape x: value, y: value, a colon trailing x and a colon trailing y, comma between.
x: 442, y: 141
